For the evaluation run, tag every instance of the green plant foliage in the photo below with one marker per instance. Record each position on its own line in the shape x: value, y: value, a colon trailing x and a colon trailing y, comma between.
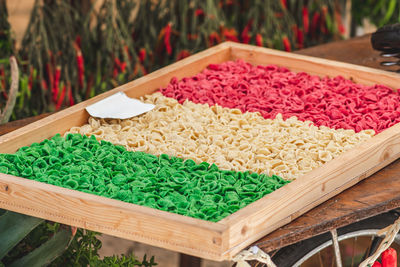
x: 6, y: 41
x: 13, y: 228
x: 53, y: 244
x: 378, y: 12
x: 83, y: 251
x: 47, y: 252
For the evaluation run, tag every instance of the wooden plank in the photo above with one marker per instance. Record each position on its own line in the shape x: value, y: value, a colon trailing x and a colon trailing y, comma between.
x: 313, y: 65
x: 379, y: 193
x: 181, y: 233
x: 14, y: 125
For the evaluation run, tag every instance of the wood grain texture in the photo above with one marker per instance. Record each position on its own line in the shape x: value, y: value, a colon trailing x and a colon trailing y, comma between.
x: 216, y: 241
x: 310, y: 190
x: 181, y: 233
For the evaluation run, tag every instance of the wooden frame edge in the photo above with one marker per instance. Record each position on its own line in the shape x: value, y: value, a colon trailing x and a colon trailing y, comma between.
x: 314, y: 65
x: 73, y: 209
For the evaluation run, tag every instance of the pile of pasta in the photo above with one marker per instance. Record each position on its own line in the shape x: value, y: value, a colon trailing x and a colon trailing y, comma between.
x: 336, y: 102
x: 227, y: 137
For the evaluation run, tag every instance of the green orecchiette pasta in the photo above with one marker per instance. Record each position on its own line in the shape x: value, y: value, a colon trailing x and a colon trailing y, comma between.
x: 166, y: 183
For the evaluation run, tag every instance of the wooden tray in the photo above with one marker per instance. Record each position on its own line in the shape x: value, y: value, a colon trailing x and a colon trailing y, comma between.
x: 216, y: 241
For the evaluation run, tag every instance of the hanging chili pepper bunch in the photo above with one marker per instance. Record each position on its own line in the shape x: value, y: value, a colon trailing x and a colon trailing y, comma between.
x: 262, y: 23
x: 70, y: 53
x: 51, y: 59
x: 114, y: 60
x: 6, y: 50
x: 176, y: 30
x: 316, y: 21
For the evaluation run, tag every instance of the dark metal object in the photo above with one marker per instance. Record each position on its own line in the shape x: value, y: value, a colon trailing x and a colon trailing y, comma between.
x: 387, y: 40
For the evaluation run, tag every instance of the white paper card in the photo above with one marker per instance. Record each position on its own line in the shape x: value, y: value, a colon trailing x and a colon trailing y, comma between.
x: 118, y: 106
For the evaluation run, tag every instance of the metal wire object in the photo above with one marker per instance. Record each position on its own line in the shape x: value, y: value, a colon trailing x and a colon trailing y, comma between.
x: 387, y: 40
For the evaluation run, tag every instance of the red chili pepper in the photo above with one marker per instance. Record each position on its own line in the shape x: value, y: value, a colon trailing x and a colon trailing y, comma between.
x: 123, y: 66
x: 245, y: 33
x: 50, y: 75
x: 3, y: 82
x: 56, y: 82
x: 142, y: 55
x: 61, y: 99
x: 389, y: 258
x: 192, y: 36
x: 117, y: 62
x: 184, y: 53
x: 81, y: 70
x: 284, y: 4
x: 30, y: 79
x: 377, y: 264
x: 286, y: 44
x: 314, y: 23
x: 306, y: 22
x: 340, y: 26
x: 199, y: 12
x: 167, y: 37
x: 324, y: 30
x: 138, y: 67
x: 245, y: 36
x: 300, y: 38
x: 2, y: 76
x: 259, y: 40
x: 70, y: 97
x: 78, y: 40
x: 230, y: 35
x: 119, y: 65
x: 44, y: 85
x: 213, y: 37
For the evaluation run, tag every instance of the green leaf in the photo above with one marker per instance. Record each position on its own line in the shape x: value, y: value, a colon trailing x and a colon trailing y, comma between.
x: 389, y: 12
x: 13, y: 228
x: 46, y: 253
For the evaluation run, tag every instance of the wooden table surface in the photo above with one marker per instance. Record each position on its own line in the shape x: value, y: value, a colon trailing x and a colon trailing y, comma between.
x: 376, y: 194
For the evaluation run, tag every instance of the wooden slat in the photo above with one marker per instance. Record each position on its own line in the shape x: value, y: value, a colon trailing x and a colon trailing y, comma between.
x: 181, y: 233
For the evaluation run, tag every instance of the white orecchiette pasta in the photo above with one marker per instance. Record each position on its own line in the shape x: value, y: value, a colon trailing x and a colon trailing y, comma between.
x: 227, y: 137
